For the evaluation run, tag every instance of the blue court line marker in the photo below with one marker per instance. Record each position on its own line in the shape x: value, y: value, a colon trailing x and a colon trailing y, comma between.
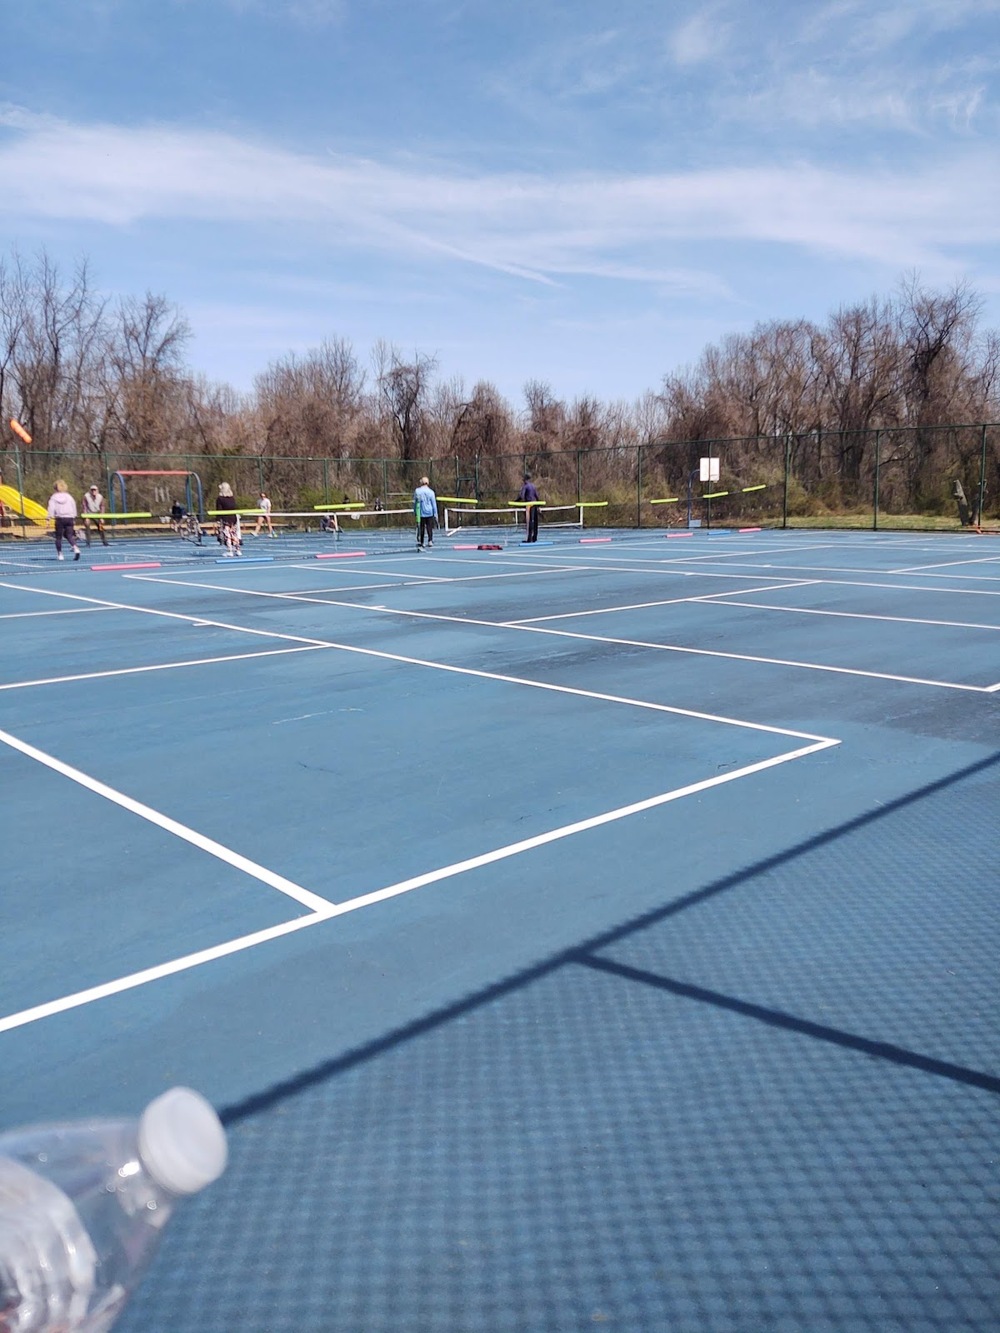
x: 538, y: 543
x: 246, y: 560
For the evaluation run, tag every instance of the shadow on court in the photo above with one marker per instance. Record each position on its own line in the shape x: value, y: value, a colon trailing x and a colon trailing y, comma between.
x: 766, y: 1105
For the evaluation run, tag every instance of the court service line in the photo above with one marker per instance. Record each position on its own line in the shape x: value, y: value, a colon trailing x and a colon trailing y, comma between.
x: 464, y: 671
x: 945, y: 564
x: 849, y: 615
x: 311, y: 900
x: 327, y: 911
x: 158, y: 666
x: 708, y: 597
x: 668, y: 648
x: 67, y: 611
x: 594, y: 638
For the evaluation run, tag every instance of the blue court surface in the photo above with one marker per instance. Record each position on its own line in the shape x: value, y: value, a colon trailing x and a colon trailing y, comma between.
x: 603, y: 933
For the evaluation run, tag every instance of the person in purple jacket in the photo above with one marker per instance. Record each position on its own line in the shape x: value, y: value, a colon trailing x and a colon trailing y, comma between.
x: 62, y: 509
x: 530, y: 494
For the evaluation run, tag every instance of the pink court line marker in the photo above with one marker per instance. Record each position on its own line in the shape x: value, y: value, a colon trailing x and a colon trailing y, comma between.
x: 144, y: 564
x: 668, y: 535
x: 340, y: 555
x: 748, y: 529
x: 469, y: 546
x: 585, y: 540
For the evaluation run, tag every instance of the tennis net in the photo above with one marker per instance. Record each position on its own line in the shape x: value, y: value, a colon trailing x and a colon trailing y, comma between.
x: 513, y: 517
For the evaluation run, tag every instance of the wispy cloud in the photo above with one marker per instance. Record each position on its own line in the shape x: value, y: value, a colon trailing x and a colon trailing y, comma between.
x: 530, y: 226
x: 311, y: 13
x: 700, y: 38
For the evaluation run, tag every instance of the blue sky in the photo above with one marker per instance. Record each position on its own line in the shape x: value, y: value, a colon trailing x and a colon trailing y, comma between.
x: 577, y: 192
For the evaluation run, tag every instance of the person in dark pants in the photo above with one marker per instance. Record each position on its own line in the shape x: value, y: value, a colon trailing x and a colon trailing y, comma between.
x: 91, y: 508
x: 229, y: 522
x: 425, y: 509
x: 530, y: 495
x: 62, y: 510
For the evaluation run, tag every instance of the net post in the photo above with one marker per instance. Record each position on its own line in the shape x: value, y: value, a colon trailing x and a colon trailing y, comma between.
x: 981, y: 500
x: 875, y: 480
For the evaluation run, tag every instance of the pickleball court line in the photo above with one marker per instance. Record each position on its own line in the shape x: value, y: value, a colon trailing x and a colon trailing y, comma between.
x: 326, y: 910
x: 455, y: 670
x: 158, y: 666
x: 520, y: 627
x: 205, y: 844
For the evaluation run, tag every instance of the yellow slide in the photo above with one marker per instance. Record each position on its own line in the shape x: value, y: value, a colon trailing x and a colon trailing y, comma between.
x: 16, y: 503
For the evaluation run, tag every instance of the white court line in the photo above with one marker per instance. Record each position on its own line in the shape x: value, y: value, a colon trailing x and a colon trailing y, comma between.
x: 159, y: 666
x: 594, y: 638
x: 707, y: 597
x: 327, y: 911
x: 68, y: 611
x: 945, y: 564
x: 467, y: 671
x: 850, y: 615
x: 311, y: 900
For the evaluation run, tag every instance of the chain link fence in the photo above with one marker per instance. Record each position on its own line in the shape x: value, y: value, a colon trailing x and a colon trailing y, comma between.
x: 914, y: 477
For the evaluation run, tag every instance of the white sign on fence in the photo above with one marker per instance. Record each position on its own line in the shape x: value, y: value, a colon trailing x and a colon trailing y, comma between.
x: 709, y: 469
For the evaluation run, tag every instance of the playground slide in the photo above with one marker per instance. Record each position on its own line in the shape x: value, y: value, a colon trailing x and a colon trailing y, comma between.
x: 16, y: 503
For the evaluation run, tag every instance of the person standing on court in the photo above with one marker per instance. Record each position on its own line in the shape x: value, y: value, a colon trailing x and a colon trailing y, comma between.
x: 529, y: 495
x: 229, y: 523
x: 93, y: 503
x: 425, y: 509
x: 264, y: 505
x: 62, y: 509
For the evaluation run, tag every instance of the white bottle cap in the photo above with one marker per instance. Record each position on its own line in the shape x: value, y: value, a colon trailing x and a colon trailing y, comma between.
x: 181, y: 1141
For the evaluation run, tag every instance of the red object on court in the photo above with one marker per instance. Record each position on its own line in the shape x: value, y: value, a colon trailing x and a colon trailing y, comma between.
x: 489, y: 546
x: 143, y: 564
x: 584, y: 540
x: 748, y: 529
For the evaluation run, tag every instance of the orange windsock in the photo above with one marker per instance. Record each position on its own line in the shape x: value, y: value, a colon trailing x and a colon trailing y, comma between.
x: 19, y: 430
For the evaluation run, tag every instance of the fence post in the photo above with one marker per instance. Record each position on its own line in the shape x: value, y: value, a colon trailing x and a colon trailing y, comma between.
x: 638, y: 486
x: 788, y: 468
x: 579, y: 488
x: 326, y: 483
x: 878, y: 459
x: 18, y: 472
x: 982, y: 478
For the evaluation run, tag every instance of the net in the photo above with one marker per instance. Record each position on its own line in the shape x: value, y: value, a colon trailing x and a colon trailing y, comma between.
x: 463, y: 519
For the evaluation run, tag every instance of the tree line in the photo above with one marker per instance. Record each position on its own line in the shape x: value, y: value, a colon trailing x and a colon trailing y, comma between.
x: 108, y: 379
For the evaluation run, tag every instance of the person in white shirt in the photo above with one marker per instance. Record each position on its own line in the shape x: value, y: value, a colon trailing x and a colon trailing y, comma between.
x: 264, y: 505
x: 62, y: 509
x: 93, y: 503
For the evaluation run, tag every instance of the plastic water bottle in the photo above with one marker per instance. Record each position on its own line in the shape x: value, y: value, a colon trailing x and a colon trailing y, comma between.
x: 83, y: 1206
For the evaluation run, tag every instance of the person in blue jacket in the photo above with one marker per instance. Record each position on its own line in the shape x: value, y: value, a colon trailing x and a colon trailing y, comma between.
x: 530, y: 494
x: 425, y: 509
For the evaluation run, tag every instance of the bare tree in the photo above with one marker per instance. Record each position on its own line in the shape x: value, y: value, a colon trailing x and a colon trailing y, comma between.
x: 404, y: 389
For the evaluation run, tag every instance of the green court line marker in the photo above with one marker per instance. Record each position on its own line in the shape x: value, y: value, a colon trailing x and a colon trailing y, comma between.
x: 714, y: 495
x: 456, y: 500
x: 353, y: 504
x: 591, y: 504
x: 671, y: 500
x: 753, y: 488
x: 526, y: 504
x: 105, y: 518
